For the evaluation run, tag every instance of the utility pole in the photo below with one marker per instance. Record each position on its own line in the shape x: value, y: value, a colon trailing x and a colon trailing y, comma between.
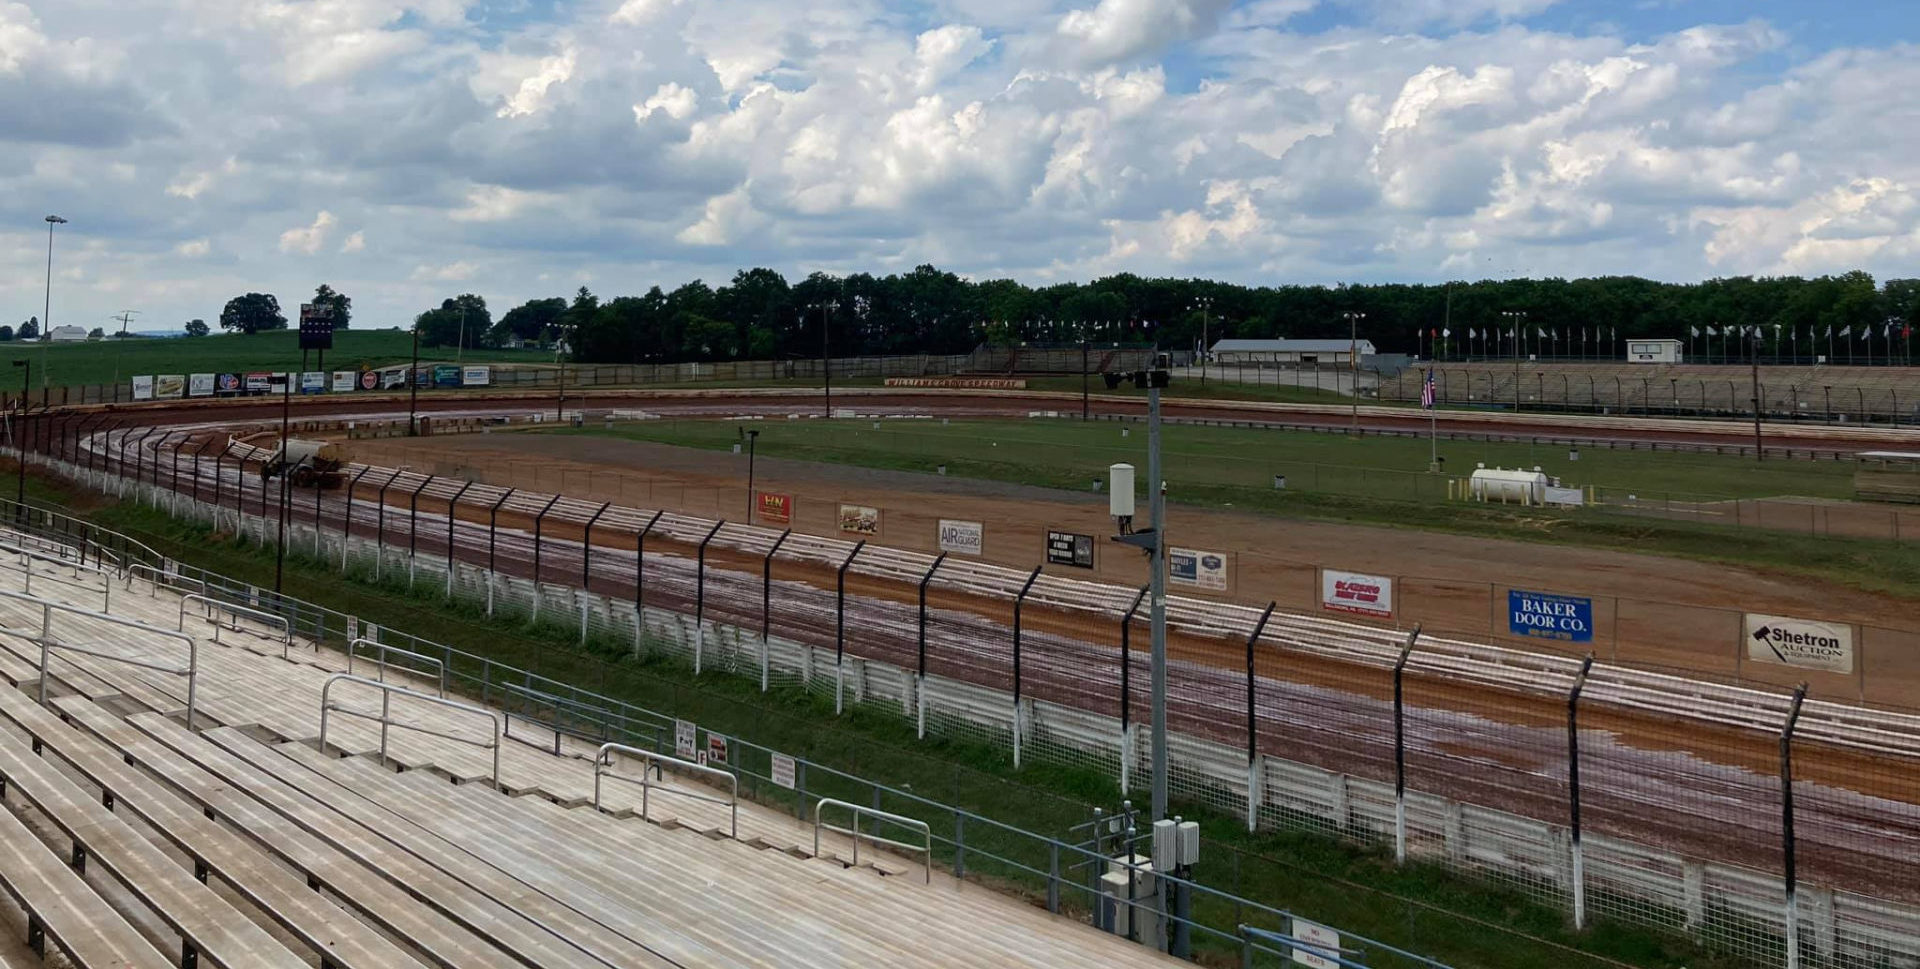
x: 1205, y: 305
x: 20, y: 443
x: 413, y: 386
x: 1759, y: 449
x: 1353, y: 362
x: 1153, y: 540
x: 826, y: 360
x: 125, y: 317
x: 286, y: 415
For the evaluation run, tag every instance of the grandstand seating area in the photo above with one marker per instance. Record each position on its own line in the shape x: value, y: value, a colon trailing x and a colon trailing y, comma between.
x: 132, y: 837
x: 1872, y: 394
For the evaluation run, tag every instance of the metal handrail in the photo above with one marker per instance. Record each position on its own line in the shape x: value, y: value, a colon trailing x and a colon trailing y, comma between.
x: 47, y: 644
x: 106, y: 579
x: 157, y: 577
x: 40, y: 543
x: 385, y: 717
x: 926, y: 831
x: 381, y: 664
x: 286, y: 628
x: 603, y: 767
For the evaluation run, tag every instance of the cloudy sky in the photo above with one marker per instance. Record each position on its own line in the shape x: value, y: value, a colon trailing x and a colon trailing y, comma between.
x: 406, y: 150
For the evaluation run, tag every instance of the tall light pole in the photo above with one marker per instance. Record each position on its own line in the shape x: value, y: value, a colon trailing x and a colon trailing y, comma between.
x: 1515, y: 320
x: 20, y: 442
x: 46, y: 306
x: 826, y: 361
x: 413, y: 385
x: 1353, y: 361
x: 1759, y: 448
x: 1205, y: 305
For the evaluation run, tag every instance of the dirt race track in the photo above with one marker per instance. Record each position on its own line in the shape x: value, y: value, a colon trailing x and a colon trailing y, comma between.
x: 1665, y: 781
x: 1652, y: 612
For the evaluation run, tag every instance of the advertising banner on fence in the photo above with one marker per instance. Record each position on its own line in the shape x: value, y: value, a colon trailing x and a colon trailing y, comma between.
x: 143, y: 387
x: 1803, y: 643
x: 961, y: 538
x: 369, y: 380
x: 1069, y: 548
x: 1542, y: 615
x: 476, y: 376
x: 391, y: 377
x: 313, y: 382
x: 259, y: 382
x: 1205, y: 570
x: 344, y: 381
x: 861, y: 520
x: 1362, y: 595
x: 200, y: 385
x: 229, y: 383
x: 169, y: 386
x: 776, y: 508
x: 446, y: 375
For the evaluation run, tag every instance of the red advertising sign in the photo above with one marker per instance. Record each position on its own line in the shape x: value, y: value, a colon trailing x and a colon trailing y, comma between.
x: 776, y: 508
x: 369, y: 379
x: 1352, y: 592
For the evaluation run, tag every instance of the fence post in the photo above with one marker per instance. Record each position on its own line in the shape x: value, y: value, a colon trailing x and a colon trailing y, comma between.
x: 1789, y: 869
x: 840, y: 625
x: 920, y: 679
x: 452, y: 504
x: 1019, y: 601
x: 493, y: 527
x: 1254, y: 794
x: 413, y: 527
x: 1400, y: 748
x: 700, y: 597
x: 586, y: 547
x: 380, y: 526
x: 766, y: 608
x: 1573, y: 793
x: 640, y: 582
x: 1126, y: 690
x: 539, y: 523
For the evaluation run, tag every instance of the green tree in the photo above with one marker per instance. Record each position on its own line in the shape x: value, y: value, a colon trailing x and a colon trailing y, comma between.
x: 30, y: 330
x: 97, y: 333
x: 456, y: 322
x: 342, y: 304
x: 6, y: 334
x: 533, y: 321
x: 252, y: 313
x: 196, y: 327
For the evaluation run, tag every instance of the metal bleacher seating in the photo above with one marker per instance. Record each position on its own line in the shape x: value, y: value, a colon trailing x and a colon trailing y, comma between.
x: 132, y: 837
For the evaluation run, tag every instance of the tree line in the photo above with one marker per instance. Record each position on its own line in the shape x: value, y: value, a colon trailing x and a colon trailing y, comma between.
x: 759, y: 314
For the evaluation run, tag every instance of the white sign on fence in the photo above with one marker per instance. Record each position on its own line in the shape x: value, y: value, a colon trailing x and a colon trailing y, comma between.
x: 1566, y: 496
x: 1322, y: 945
x: 1362, y: 595
x: 961, y: 538
x: 783, y: 771
x: 200, y: 385
x: 345, y: 380
x: 1205, y: 570
x: 143, y: 387
x: 353, y: 628
x: 1802, y: 643
x: 683, y: 731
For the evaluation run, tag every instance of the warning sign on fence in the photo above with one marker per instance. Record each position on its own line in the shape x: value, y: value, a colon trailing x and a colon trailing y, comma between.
x: 783, y: 771
x: 683, y: 731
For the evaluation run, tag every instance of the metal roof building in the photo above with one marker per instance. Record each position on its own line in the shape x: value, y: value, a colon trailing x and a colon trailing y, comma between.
x: 1287, y: 351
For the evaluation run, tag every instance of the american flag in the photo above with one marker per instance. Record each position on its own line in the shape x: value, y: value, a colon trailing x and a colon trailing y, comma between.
x: 1426, y: 391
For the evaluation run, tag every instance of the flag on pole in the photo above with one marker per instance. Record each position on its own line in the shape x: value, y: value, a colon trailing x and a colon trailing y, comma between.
x: 1426, y: 390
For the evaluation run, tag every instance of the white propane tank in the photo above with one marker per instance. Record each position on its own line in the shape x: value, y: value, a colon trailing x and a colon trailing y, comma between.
x: 1515, y: 487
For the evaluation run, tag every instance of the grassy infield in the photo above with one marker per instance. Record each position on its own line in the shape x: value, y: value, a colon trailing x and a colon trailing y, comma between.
x: 1371, y: 480
x: 1417, y: 907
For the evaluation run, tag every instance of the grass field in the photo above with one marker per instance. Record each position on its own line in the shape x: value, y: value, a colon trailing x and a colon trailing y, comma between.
x: 1068, y: 453
x: 1422, y: 908
x: 105, y: 362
